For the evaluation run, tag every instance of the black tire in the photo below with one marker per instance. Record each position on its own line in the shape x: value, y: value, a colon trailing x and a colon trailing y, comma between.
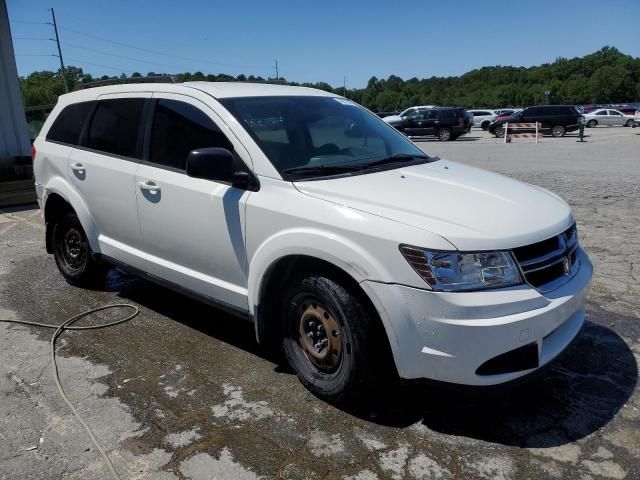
x: 629, y: 123
x: 319, y: 311
x: 558, y: 131
x: 592, y: 123
x: 72, y: 253
x: 499, y: 132
x: 485, y: 125
x: 444, y: 134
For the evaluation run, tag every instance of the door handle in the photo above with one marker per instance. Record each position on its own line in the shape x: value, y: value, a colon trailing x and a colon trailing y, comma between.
x: 77, y: 167
x: 149, y: 186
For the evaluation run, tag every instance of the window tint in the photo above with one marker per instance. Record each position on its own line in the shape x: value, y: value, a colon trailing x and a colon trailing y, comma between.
x: 481, y: 113
x: 179, y: 128
x: 532, y: 112
x: 613, y: 112
x: 66, y: 128
x: 115, y: 125
x: 601, y: 112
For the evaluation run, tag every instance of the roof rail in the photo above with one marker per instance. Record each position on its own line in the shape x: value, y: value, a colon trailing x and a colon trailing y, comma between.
x: 117, y: 81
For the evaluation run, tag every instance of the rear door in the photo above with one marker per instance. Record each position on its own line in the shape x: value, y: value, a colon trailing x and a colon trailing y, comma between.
x: 103, y: 170
x: 602, y: 117
x: 193, y: 229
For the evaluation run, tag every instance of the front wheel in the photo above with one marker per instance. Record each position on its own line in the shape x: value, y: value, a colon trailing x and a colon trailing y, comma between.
x: 444, y: 134
x: 329, y: 337
x: 558, y: 131
x: 499, y: 132
x: 592, y: 123
x: 72, y: 252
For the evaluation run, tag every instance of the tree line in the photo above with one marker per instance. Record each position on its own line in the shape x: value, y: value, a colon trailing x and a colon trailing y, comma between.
x: 605, y: 76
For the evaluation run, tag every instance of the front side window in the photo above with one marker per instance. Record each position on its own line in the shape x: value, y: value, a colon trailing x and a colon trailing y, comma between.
x: 601, y: 112
x: 178, y: 128
x: 115, y: 125
x: 316, y: 136
x: 67, y: 126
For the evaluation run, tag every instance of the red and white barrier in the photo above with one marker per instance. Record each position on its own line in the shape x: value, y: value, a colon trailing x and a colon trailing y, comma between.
x: 519, y: 127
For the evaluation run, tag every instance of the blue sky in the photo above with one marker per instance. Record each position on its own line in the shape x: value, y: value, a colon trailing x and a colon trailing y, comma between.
x: 318, y: 41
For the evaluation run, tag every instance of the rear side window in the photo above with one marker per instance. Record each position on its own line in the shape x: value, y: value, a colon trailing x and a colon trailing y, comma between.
x: 115, y: 125
x: 67, y: 126
x: 177, y: 129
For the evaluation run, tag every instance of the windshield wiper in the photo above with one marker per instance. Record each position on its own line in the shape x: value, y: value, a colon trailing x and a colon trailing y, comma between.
x: 398, y: 157
x: 322, y: 169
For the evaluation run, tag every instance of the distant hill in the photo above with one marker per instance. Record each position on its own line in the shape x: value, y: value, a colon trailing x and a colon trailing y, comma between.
x: 606, y: 76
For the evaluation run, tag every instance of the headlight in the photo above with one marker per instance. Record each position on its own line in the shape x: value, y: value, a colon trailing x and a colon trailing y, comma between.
x: 459, y: 271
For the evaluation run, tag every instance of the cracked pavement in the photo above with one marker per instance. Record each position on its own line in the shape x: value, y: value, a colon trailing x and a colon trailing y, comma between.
x: 182, y: 391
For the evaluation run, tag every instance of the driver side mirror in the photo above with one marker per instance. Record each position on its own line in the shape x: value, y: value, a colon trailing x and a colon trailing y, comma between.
x: 217, y: 164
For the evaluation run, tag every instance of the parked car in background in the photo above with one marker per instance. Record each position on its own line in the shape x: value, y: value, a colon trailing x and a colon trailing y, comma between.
x: 554, y: 119
x: 386, y: 114
x: 627, y: 110
x: 445, y: 123
x: 506, y: 111
x: 608, y: 117
x: 482, y: 118
x: 396, y: 120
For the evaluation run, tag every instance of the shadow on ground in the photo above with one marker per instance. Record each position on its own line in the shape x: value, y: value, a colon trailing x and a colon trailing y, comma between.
x: 578, y: 395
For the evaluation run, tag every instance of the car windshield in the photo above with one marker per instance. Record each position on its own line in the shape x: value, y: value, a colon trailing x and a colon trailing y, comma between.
x: 317, y: 136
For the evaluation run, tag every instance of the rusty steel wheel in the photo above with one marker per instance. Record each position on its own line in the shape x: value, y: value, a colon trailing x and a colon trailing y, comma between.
x: 330, y: 337
x: 319, y: 335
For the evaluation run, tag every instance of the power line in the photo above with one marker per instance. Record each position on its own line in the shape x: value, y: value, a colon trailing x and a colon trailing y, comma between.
x: 32, y: 38
x: 76, y: 60
x: 30, y: 23
x: 74, y: 45
x: 35, y: 55
x: 155, y: 52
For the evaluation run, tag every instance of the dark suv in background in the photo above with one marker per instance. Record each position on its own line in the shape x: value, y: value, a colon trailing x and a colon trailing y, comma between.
x: 554, y: 119
x: 446, y: 123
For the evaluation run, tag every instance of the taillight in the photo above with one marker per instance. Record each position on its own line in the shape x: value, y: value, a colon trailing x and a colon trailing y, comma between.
x: 33, y: 153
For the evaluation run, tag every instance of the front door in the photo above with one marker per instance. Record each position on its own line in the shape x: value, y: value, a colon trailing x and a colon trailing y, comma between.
x: 193, y: 229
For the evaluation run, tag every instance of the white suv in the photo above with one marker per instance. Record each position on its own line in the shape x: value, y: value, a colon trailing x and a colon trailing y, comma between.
x: 307, y: 215
x: 482, y: 118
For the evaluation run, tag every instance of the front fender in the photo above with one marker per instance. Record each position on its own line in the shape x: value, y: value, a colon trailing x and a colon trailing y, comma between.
x: 61, y: 186
x: 327, y: 246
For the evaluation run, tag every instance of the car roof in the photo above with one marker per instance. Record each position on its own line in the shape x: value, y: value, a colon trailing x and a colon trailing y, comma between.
x: 215, y: 89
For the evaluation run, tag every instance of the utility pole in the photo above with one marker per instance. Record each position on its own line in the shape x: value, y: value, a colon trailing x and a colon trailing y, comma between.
x: 55, y: 28
x: 344, y: 86
x: 277, y: 73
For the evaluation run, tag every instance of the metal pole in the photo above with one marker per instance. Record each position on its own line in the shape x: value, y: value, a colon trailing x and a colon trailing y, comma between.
x: 506, y: 131
x: 277, y: 74
x: 344, y: 86
x: 55, y: 28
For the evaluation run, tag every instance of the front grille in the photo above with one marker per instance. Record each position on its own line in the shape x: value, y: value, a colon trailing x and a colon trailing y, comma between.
x: 545, y: 264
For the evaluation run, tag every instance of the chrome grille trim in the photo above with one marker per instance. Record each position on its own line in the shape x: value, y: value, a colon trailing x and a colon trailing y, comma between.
x: 542, y: 272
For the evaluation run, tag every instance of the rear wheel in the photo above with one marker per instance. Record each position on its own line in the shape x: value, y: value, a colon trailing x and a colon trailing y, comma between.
x: 485, y: 125
x: 592, y: 123
x: 629, y: 123
x: 72, y: 252
x: 329, y: 337
x: 558, y: 131
x: 499, y: 132
x: 444, y: 134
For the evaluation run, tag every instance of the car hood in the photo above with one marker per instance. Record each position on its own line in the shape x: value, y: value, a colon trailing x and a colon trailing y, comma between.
x: 472, y: 208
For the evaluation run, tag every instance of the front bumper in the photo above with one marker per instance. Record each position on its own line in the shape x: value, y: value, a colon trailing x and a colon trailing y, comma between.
x: 449, y: 336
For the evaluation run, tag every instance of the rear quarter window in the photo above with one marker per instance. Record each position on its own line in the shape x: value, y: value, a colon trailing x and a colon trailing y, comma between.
x: 68, y: 124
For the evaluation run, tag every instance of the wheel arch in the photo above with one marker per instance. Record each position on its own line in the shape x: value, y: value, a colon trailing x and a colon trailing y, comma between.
x: 60, y: 198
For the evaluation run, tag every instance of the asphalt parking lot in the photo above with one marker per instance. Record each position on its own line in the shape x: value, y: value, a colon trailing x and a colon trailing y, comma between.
x: 183, y: 391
